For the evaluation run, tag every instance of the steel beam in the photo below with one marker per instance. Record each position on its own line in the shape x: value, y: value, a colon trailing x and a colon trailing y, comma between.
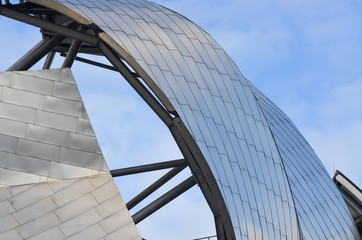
x: 29, y: 53
x: 148, y: 168
x: 88, y: 49
x: 188, y: 147
x: 136, y: 84
x: 184, y: 139
x: 49, y: 60
x: 48, y: 26
x: 206, y: 180
x: 91, y: 62
x: 73, y: 51
x: 153, y: 187
x: 37, y: 53
x: 164, y: 199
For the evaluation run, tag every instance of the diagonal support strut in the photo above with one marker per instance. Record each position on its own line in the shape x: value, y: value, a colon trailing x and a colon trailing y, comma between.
x: 153, y: 187
x: 36, y: 53
x: 148, y: 168
x: 164, y: 199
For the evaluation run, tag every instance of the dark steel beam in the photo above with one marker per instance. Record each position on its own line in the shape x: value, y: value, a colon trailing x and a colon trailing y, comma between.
x: 164, y: 199
x: 136, y: 84
x: 48, y: 26
x: 148, y: 168
x: 205, y: 178
x: 91, y: 62
x: 37, y: 53
x: 97, y: 64
x: 72, y: 53
x: 188, y: 147
x: 29, y: 53
x: 153, y: 187
x: 49, y: 60
x: 88, y: 49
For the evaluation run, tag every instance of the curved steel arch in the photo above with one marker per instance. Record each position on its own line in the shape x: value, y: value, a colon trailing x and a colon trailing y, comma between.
x: 161, y: 106
x: 231, y: 136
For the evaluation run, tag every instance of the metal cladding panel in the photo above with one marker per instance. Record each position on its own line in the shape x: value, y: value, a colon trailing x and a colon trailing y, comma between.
x: 80, y: 208
x: 45, y: 131
x: 54, y: 182
x: 215, y: 102
x: 321, y: 210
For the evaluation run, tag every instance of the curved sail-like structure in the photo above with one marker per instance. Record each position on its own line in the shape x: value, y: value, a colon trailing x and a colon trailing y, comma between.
x: 260, y: 177
x: 54, y: 182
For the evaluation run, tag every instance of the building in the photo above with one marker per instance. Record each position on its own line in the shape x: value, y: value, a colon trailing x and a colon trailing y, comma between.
x: 259, y: 176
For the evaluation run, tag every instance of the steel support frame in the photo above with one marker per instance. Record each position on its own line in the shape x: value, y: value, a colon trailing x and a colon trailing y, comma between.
x: 205, y: 179
x: 187, y: 145
x: 28, y: 54
x: 72, y: 53
x: 152, y: 102
x: 91, y: 62
x: 185, y: 141
x: 148, y: 168
x: 49, y: 60
x: 48, y: 26
x: 36, y: 53
x: 153, y: 187
x: 164, y: 199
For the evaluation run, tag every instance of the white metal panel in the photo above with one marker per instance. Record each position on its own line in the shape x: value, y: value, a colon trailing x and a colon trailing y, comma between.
x: 156, y: 36
x: 320, y: 208
x: 54, y: 182
x: 39, y: 117
x: 81, y: 208
x: 201, y: 65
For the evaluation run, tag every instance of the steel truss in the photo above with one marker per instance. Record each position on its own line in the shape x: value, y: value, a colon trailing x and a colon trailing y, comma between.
x: 68, y: 37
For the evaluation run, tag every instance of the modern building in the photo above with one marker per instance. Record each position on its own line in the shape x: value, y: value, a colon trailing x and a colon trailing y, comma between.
x: 352, y: 195
x: 260, y: 177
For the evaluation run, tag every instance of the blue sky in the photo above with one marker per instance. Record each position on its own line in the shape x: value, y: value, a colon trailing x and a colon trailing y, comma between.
x: 304, y: 55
